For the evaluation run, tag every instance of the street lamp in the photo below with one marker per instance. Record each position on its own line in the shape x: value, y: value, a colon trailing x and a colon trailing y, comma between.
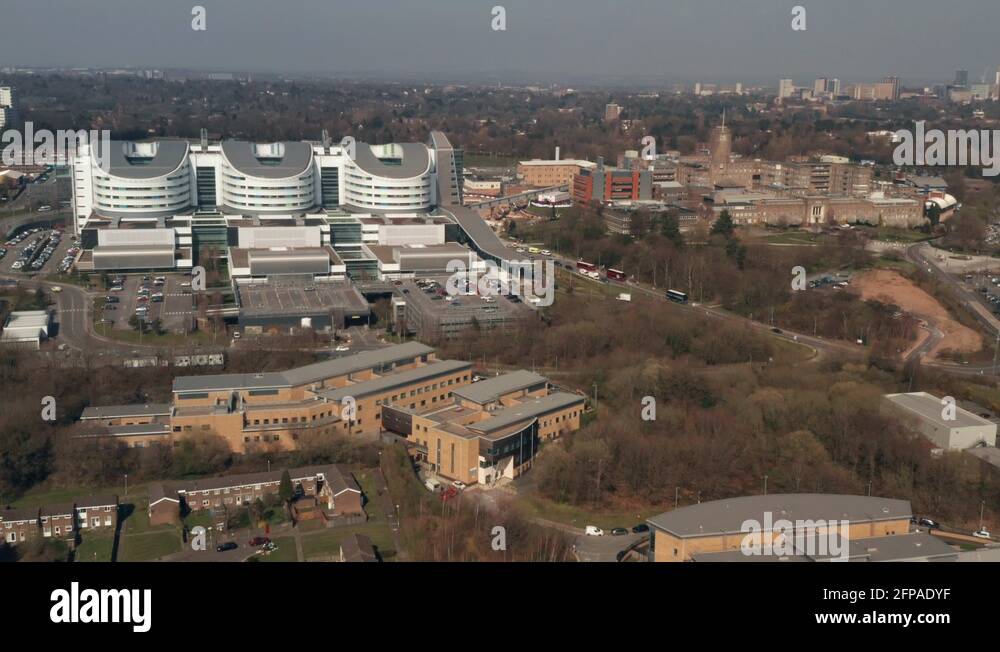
x: 126, y: 484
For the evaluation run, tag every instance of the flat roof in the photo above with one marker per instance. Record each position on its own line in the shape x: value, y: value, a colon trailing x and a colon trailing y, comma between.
x: 929, y: 408
x: 524, y: 410
x: 391, y: 381
x: 728, y: 515
x: 568, y: 161
x: 303, y: 375
x: 121, y: 411
x: 28, y: 319
x: 491, y: 389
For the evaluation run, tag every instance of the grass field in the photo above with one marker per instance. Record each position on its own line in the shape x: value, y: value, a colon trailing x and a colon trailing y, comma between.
x: 95, y: 547
x: 38, y: 496
x: 285, y: 551
x: 327, y: 542
x: 793, y: 238
x: 147, y: 546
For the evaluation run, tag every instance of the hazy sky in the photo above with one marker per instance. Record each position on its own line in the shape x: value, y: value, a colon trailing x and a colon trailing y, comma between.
x: 547, y: 40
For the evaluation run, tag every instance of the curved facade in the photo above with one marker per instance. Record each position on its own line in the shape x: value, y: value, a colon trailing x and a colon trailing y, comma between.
x: 145, y: 179
x: 393, y: 177
x: 267, y: 178
x: 169, y: 177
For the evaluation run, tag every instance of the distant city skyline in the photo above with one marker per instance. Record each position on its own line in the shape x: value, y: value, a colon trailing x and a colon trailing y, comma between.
x: 640, y: 42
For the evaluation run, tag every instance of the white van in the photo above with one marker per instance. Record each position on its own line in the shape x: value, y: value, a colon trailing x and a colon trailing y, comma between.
x: 432, y: 484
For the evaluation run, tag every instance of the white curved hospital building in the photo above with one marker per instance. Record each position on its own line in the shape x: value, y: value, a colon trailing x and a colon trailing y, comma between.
x: 167, y: 177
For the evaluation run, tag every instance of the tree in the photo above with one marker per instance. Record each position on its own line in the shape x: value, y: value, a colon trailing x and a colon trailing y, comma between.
x: 723, y: 225
x: 670, y: 228
x: 285, y: 490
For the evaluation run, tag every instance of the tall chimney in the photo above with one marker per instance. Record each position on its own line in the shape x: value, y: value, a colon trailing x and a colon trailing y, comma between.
x: 557, y: 152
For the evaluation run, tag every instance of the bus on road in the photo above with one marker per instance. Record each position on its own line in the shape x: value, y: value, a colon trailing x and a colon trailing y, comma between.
x: 616, y: 275
x: 676, y: 296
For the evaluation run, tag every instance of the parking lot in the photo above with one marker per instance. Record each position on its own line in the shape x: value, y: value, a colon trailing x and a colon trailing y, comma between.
x: 174, y: 309
x: 35, y: 250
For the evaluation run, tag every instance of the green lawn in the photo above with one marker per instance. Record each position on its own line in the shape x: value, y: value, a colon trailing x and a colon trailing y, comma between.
x: 792, y: 237
x: 147, y: 546
x: 327, y: 542
x: 95, y: 547
x: 284, y: 552
x: 38, y: 496
x: 375, y: 505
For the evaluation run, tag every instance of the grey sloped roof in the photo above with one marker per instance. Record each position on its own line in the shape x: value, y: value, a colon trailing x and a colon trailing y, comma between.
x: 529, y: 409
x: 296, y: 158
x: 365, y: 360
x: 96, y: 501
x: 170, y: 154
x: 387, y: 383
x: 416, y: 160
x: 492, y: 388
x: 479, y: 232
x: 729, y: 514
x: 358, y: 548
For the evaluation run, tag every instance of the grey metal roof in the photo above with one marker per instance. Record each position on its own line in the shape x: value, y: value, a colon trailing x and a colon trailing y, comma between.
x: 930, y: 408
x: 169, y: 156
x: 296, y: 158
x: 220, y: 382
x: 302, y: 375
x: 903, y: 547
x: 144, y: 429
x: 530, y: 409
x: 415, y: 161
x: 728, y: 515
x: 492, y: 388
x: 123, y: 411
x: 357, y: 362
x: 480, y: 233
x: 387, y: 383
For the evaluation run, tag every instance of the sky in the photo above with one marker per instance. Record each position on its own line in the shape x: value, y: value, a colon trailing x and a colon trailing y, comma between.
x: 560, y: 41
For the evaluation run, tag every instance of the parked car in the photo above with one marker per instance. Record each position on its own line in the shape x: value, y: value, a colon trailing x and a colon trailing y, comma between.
x: 593, y: 531
x: 229, y: 545
x: 619, y: 532
x: 928, y: 523
x: 981, y: 534
x: 458, y: 484
x: 259, y: 541
x: 642, y: 527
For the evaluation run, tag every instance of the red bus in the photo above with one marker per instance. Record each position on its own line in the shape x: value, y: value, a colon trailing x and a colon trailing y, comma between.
x: 582, y: 266
x: 616, y: 275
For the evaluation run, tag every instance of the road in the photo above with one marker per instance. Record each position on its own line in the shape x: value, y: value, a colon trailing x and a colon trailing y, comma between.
x: 924, y: 256
x: 820, y: 345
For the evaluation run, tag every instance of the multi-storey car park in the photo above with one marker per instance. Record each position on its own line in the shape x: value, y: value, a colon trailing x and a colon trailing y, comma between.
x: 472, y: 432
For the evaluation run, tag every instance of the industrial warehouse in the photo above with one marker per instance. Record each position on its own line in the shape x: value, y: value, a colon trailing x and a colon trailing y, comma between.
x: 464, y: 429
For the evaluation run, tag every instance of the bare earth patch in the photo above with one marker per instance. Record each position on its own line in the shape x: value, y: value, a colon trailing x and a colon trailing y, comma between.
x: 890, y: 287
